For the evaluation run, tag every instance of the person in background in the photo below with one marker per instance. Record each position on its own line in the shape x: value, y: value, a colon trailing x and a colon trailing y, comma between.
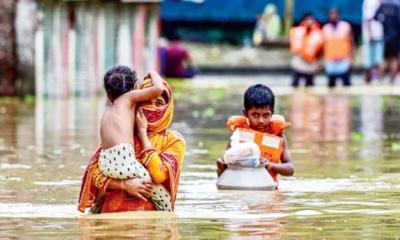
x: 268, y: 26
x: 178, y: 62
x: 162, y: 54
x: 305, y: 44
x: 388, y: 14
x: 338, y: 44
x: 372, y: 36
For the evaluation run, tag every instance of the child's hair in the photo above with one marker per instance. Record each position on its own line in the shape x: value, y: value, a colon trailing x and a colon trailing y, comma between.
x: 119, y: 80
x: 259, y: 96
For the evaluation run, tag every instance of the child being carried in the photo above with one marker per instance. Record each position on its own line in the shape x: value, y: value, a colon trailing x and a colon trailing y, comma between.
x: 117, y: 157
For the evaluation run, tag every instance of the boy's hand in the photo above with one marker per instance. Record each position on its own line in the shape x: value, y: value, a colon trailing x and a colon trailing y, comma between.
x: 141, y: 121
x: 264, y: 161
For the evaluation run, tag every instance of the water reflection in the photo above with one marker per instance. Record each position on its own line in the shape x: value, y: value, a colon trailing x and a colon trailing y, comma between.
x: 130, y: 228
x: 272, y: 203
x: 336, y: 117
x: 61, y: 123
x: 306, y: 117
x: 371, y: 126
x: 320, y: 118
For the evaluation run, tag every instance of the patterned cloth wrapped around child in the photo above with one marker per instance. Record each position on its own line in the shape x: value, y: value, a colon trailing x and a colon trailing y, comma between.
x: 119, y: 162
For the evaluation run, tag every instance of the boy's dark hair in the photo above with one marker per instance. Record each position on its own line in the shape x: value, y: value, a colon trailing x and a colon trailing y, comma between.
x: 119, y: 80
x: 259, y: 96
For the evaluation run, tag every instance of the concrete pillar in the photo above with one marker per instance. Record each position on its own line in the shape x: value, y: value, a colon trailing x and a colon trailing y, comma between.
x: 289, y: 7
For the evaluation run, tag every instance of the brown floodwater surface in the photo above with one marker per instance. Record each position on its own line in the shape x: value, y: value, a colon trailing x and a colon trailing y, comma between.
x: 344, y: 144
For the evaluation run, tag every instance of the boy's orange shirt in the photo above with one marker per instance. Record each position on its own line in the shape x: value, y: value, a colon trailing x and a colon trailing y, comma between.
x: 270, y: 143
x: 276, y: 126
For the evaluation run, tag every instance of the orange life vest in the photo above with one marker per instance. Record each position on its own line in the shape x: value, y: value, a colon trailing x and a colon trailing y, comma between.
x: 270, y: 142
x: 307, y: 46
x: 337, y: 41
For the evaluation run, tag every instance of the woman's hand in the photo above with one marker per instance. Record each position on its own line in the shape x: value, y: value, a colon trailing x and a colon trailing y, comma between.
x: 141, y: 121
x: 141, y: 124
x: 140, y: 188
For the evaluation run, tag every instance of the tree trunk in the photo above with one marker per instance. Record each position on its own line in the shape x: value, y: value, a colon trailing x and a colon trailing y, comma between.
x: 8, y: 58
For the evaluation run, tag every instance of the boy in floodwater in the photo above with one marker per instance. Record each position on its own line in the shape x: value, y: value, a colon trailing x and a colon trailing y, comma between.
x: 260, y: 126
x: 117, y: 158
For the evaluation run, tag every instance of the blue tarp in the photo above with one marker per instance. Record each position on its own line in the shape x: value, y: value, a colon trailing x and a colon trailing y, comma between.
x: 216, y: 10
x: 350, y: 10
x: 247, y: 10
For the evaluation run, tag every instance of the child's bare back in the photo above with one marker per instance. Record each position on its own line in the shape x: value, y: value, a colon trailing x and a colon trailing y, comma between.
x: 117, y: 124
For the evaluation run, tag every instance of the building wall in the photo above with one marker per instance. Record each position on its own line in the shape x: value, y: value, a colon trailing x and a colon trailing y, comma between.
x: 78, y: 41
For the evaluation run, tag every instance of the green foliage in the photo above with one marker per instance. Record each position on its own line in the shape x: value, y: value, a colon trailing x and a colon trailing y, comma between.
x: 356, y: 136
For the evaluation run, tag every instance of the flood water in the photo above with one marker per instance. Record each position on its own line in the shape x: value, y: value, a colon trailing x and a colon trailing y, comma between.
x: 344, y: 144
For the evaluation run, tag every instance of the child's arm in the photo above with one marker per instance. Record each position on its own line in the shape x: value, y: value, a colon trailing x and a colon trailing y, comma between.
x: 140, y: 95
x: 286, y: 167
